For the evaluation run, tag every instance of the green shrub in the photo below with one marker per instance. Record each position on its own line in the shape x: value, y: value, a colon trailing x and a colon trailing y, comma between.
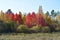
x: 2, y: 27
x: 45, y: 29
x: 22, y: 28
x: 10, y: 26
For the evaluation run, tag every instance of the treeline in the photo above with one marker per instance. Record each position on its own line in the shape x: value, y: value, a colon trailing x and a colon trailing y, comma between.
x: 29, y: 23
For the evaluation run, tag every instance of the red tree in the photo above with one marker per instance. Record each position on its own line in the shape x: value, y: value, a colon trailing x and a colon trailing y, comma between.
x: 11, y: 15
x: 28, y: 21
x: 15, y: 17
x: 40, y: 20
x: 34, y: 19
x: 20, y: 19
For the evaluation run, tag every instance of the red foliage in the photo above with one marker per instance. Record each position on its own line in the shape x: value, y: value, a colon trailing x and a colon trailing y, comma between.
x: 34, y: 18
x: 20, y: 19
x: 11, y: 16
x: 15, y: 17
x: 41, y: 21
x: 28, y: 21
x: 31, y: 20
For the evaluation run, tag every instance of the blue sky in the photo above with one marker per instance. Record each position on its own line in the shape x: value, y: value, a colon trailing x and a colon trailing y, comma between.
x: 29, y: 5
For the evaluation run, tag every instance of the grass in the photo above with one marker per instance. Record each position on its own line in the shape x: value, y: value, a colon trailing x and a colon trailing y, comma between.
x: 33, y: 36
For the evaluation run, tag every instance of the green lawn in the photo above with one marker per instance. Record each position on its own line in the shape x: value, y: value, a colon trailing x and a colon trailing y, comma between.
x: 33, y: 36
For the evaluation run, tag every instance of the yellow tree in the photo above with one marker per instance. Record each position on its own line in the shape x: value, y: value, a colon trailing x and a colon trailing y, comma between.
x: 1, y: 15
x: 58, y: 17
x: 6, y: 17
x: 24, y: 17
x: 47, y: 18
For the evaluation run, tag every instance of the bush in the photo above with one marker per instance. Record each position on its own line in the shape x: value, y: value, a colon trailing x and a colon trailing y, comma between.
x: 2, y: 27
x: 45, y: 29
x: 22, y: 28
x: 54, y: 27
x: 57, y: 28
x: 10, y: 26
x: 35, y: 29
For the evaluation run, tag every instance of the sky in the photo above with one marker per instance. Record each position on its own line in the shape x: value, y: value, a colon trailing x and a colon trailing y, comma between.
x: 26, y: 6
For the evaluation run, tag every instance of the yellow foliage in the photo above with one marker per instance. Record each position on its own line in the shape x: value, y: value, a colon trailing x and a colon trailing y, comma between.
x: 36, y: 28
x: 1, y: 15
x: 47, y: 19
x: 58, y: 17
x: 22, y: 28
x: 6, y: 17
x: 24, y: 18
